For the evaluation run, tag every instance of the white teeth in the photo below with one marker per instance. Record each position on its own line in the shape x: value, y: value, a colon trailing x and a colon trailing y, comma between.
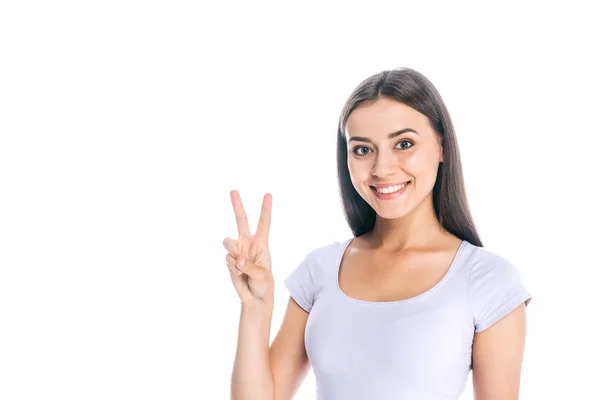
x: 390, y: 189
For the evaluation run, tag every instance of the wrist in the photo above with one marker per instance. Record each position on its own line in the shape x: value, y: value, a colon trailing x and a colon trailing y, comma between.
x: 258, y: 304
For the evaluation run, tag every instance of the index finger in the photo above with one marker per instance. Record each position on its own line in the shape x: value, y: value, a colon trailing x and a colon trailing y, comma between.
x: 240, y: 215
x: 264, y: 223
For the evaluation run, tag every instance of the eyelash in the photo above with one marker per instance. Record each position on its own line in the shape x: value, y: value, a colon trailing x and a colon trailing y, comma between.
x: 362, y: 155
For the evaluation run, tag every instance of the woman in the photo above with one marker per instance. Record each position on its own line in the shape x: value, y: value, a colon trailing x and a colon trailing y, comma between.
x: 412, y: 302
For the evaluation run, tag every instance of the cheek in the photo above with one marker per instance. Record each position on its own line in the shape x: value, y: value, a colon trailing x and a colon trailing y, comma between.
x: 357, y: 171
x: 421, y: 164
x: 424, y: 169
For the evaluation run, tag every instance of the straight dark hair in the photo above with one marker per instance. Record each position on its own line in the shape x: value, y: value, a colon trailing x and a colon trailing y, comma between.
x: 413, y: 89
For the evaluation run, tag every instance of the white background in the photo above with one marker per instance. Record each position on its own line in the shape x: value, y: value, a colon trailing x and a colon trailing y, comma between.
x: 124, y: 125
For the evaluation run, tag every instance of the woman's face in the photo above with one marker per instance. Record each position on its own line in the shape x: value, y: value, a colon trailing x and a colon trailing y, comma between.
x: 376, y: 159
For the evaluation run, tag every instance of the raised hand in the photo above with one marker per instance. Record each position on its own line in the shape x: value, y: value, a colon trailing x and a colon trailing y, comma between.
x: 248, y: 257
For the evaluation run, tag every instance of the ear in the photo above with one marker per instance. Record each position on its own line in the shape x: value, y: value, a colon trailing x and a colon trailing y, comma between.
x: 441, y: 155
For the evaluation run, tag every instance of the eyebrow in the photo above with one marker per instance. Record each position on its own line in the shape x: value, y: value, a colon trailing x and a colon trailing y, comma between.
x: 390, y: 136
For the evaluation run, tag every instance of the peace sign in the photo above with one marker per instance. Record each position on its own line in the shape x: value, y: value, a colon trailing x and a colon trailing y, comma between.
x: 249, y: 254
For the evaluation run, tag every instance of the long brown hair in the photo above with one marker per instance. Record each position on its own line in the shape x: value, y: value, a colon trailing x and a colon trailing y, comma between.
x: 449, y: 197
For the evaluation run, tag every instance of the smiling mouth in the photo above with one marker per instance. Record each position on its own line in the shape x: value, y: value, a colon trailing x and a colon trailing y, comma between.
x: 390, y: 189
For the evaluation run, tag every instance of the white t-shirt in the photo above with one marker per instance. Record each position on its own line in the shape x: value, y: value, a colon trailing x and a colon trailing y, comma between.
x: 418, y: 348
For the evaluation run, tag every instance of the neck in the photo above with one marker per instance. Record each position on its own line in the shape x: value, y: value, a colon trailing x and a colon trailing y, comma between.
x: 415, y: 230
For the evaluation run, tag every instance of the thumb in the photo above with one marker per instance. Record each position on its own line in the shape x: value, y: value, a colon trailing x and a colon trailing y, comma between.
x: 248, y: 268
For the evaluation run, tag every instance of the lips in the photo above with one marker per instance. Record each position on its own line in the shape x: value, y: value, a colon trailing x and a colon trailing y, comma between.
x: 385, y: 185
x: 391, y: 196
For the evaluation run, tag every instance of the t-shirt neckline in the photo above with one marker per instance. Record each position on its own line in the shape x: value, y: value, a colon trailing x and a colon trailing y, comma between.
x: 345, y: 245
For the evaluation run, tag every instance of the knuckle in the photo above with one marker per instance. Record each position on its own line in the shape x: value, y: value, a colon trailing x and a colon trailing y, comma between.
x: 229, y: 243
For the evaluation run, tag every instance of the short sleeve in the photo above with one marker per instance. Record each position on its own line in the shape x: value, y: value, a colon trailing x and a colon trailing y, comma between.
x: 495, y: 289
x: 301, y: 283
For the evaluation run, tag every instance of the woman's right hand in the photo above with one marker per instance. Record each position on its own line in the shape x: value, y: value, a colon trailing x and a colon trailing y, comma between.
x: 250, y: 253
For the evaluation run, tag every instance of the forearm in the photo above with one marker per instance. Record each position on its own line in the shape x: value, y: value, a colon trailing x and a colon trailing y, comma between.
x: 252, y: 377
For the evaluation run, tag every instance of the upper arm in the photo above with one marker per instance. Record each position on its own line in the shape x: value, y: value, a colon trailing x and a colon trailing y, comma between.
x: 498, y: 298
x: 289, y: 362
x: 497, y: 357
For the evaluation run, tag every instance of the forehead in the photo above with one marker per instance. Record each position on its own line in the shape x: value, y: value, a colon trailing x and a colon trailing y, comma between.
x: 383, y: 117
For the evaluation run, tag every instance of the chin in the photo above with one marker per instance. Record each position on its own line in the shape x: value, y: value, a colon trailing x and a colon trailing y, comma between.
x: 392, y: 209
x: 391, y: 213
x: 389, y: 210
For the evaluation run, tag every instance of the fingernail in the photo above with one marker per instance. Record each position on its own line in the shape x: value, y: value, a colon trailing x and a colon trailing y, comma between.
x: 241, y: 263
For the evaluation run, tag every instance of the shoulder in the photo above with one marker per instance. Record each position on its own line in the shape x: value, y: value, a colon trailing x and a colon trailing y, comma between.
x: 306, y: 280
x: 325, y: 253
x: 495, y: 287
x: 317, y: 260
x: 487, y: 265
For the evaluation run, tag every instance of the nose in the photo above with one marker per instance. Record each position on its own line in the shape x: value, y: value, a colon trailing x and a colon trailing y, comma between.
x: 385, y: 164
